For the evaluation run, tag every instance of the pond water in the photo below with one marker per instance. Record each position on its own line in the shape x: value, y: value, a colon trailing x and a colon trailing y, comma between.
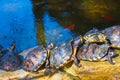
x: 17, y: 24
x: 30, y: 23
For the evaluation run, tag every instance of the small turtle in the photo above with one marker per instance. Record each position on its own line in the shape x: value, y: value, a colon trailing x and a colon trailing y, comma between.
x: 64, y: 54
x: 95, y: 36
x: 10, y: 61
x: 37, y: 58
x: 95, y: 52
x: 113, y: 34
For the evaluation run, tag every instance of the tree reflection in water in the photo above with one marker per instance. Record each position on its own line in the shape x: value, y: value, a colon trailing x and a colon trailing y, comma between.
x: 54, y: 31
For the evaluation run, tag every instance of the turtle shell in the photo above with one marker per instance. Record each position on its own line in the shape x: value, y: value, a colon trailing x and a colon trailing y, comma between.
x: 10, y: 61
x: 61, y: 54
x: 35, y: 59
x: 113, y: 34
x: 93, y: 52
x: 95, y: 35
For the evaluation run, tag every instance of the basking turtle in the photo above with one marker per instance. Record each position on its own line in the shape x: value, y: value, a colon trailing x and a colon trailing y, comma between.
x: 37, y: 58
x: 95, y: 36
x: 10, y: 61
x: 95, y: 52
x: 113, y: 34
x: 64, y: 54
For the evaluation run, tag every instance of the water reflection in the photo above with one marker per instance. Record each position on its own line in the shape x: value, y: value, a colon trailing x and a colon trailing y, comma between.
x: 54, y: 31
x: 17, y: 24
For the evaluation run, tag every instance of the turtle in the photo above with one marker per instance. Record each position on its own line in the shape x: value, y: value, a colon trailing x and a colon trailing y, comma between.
x: 63, y: 55
x: 10, y: 61
x: 95, y: 36
x: 95, y: 52
x: 113, y: 34
x: 37, y: 58
x: 103, y: 44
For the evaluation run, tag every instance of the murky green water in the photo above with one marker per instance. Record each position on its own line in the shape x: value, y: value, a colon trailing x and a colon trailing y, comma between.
x: 41, y: 21
x: 85, y: 14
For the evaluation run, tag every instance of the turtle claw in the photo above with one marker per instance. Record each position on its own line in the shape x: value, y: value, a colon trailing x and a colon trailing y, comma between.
x: 110, y: 60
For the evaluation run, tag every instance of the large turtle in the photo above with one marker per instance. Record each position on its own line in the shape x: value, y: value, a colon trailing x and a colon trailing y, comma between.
x: 37, y: 58
x: 64, y: 54
x: 113, y: 34
x: 96, y: 47
x: 95, y: 52
x: 10, y: 61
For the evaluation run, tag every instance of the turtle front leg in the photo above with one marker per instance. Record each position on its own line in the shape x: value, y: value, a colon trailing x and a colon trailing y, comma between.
x: 107, y: 55
x: 77, y: 62
x: 74, y: 58
x: 47, y: 65
x: 110, y: 59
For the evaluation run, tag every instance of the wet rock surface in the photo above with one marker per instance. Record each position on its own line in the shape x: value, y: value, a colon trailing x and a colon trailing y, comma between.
x: 88, y: 71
